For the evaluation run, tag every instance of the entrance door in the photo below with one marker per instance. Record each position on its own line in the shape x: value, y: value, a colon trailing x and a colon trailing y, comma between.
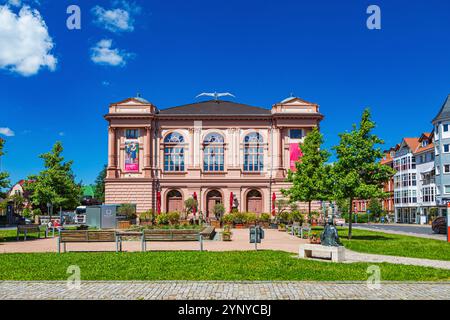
x: 174, y: 201
x: 212, y: 198
x: 254, y: 202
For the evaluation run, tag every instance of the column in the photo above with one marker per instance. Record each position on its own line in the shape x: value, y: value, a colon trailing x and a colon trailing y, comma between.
x: 147, y: 152
x: 112, y: 150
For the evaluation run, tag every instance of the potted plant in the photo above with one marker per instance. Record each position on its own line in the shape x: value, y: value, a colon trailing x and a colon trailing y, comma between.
x: 226, y: 234
x: 174, y: 218
x: 147, y: 218
x: 162, y: 219
x: 239, y: 220
x: 281, y: 227
x: 250, y: 219
x: 227, y: 219
x: 314, y: 238
x: 264, y: 218
x: 190, y: 204
x: 129, y: 211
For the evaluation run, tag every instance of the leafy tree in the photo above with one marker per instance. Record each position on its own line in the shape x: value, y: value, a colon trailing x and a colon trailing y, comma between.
x: 219, y: 210
x: 281, y: 205
x: 55, y: 184
x: 4, y: 181
x: 311, y: 180
x: 99, y: 186
x: 375, y: 207
x: 18, y: 202
x: 190, y: 204
x: 358, y: 174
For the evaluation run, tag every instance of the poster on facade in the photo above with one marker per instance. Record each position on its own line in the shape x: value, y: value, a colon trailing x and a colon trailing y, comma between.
x: 294, y: 154
x: 131, y: 156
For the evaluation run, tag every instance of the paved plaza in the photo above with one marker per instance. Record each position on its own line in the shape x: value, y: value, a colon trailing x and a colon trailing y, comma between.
x: 222, y: 290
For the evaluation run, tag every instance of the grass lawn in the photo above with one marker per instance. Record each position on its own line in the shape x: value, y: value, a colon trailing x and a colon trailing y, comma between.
x: 11, y: 235
x: 394, y: 244
x: 194, y: 265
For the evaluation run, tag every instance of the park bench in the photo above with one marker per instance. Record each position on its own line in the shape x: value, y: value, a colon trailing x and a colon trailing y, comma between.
x: 29, y: 228
x: 208, y: 233
x: 171, y: 235
x: 337, y: 254
x: 86, y: 236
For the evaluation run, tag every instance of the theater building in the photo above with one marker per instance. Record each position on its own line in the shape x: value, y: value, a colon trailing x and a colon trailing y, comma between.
x: 218, y: 150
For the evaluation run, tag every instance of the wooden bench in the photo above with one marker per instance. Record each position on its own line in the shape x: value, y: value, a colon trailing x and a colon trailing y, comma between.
x: 26, y: 228
x: 337, y: 253
x: 85, y: 236
x: 208, y: 233
x: 170, y: 235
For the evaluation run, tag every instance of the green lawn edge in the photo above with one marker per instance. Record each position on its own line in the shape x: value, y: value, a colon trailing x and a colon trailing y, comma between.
x: 264, y: 265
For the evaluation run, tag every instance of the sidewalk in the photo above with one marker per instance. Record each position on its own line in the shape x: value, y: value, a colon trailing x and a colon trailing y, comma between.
x: 222, y: 290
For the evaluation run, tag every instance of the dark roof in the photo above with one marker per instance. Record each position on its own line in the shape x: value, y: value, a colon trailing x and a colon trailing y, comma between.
x: 216, y: 107
x: 444, y: 113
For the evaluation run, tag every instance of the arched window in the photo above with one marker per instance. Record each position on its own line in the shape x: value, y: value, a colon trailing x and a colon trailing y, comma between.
x: 253, y: 152
x: 213, y: 152
x: 173, y: 152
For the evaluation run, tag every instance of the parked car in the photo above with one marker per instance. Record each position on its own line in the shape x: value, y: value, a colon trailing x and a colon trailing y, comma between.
x: 439, y: 225
x: 339, y: 221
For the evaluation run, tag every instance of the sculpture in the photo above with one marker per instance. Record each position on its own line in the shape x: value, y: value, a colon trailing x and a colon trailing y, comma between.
x: 329, y: 236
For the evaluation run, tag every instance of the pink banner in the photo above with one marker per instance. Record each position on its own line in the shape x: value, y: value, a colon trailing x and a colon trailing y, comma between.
x: 131, y: 156
x: 295, y: 153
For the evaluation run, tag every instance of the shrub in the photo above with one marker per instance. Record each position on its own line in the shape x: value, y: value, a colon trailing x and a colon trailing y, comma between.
x: 296, y: 216
x: 228, y: 218
x: 173, y: 217
x: 37, y: 212
x: 127, y: 209
x: 219, y: 210
x: 283, y: 217
x: 250, y: 218
x: 264, y: 217
x: 239, y: 218
x: 163, y: 219
x: 26, y: 213
x: 148, y: 215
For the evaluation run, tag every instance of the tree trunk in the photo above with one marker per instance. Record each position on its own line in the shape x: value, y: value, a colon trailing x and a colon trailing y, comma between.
x: 309, y: 212
x: 350, y: 219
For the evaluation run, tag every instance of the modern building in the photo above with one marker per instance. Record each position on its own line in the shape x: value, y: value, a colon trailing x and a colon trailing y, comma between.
x: 217, y: 151
x: 441, y: 125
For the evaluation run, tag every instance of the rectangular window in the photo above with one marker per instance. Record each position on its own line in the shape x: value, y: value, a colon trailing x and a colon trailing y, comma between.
x: 447, y: 189
x: 131, y: 133
x: 295, y: 133
x: 445, y: 127
x: 446, y: 168
x: 174, y: 159
x: 446, y: 148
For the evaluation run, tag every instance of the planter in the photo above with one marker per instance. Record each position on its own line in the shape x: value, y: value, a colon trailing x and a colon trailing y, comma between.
x: 145, y: 223
x: 282, y: 228
x: 226, y: 236
x: 239, y: 226
x: 215, y: 223
x: 273, y: 226
x: 123, y: 224
x: 314, y: 241
x: 184, y: 222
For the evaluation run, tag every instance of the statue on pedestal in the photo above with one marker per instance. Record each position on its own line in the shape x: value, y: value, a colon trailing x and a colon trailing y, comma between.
x: 329, y: 236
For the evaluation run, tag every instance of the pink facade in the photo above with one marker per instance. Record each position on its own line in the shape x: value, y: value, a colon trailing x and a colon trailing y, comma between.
x: 211, y: 148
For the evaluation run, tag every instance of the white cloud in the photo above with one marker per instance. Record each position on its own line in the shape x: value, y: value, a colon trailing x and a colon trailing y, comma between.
x: 15, y: 3
x: 25, y: 43
x: 103, y: 54
x: 61, y: 134
x: 7, y: 132
x: 119, y: 19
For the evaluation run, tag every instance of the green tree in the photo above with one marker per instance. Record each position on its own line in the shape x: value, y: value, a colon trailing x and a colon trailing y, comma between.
x: 358, y: 174
x: 375, y: 208
x: 55, y: 184
x: 4, y: 181
x: 190, y: 204
x: 18, y: 202
x: 311, y: 180
x: 99, y: 186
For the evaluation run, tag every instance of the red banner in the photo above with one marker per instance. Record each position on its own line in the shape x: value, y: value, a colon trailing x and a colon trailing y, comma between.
x: 295, y: 153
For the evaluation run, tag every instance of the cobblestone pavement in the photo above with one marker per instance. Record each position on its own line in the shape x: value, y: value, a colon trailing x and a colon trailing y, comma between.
x: 207, y: 290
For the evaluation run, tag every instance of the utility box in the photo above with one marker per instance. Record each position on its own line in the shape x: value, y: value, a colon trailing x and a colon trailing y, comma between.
x: 102, y: 216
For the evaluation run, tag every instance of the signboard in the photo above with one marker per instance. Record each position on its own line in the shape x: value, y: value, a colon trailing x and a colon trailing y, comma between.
x: 294, y: 154
x: 131, y: 156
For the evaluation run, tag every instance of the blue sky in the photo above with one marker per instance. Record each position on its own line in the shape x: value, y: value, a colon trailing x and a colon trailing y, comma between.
x: 261, y: 51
